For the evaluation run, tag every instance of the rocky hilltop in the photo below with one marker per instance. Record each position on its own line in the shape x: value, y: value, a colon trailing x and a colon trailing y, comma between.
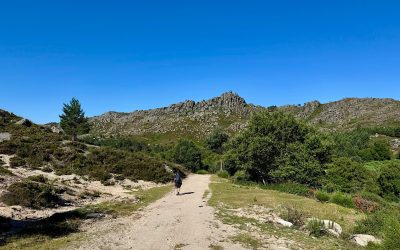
x: 231, y: 113
x: 189, y: 118
x: 349, y: 113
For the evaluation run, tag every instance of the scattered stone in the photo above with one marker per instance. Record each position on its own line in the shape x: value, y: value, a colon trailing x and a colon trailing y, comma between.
x: 24, y: 122
x: 5, y: 136
x: 283, y: 222
x: 364, y: 239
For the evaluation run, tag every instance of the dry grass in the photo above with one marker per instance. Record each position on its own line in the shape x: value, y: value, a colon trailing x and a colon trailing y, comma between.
x: 226, y: 195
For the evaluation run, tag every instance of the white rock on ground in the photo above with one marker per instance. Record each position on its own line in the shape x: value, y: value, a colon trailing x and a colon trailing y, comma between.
x: 364, y: 239
x: 283, y: 222
x: 330, y: 226
x: 5, y: 136
x: 333, y: 228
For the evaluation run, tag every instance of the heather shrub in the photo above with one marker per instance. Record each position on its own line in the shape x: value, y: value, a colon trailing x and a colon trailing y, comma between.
x: 223, y: 174
x: 31, y: 194
x: 322, y: 196
x: 342, y: 199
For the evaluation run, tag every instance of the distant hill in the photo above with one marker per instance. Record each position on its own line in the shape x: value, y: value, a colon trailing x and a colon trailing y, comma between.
x: 231, y: 113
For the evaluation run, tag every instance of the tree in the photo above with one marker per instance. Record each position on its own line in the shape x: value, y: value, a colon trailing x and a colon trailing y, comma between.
x: 216, y: 139
x: 389, y: 181
x: 73, y: 120
x: 276, y: 147
x: 349, y: 176
x: 187, y: 154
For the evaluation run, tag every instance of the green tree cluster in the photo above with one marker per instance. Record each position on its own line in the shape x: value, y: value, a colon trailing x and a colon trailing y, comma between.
x: 276, y: 147
x: 188, y: 154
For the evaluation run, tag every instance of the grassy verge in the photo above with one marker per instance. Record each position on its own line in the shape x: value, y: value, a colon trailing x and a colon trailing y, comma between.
x: 34, y: 239
x: 226, y: 195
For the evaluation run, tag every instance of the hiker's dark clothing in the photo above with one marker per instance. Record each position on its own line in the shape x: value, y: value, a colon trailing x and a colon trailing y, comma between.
x: 178, y: 180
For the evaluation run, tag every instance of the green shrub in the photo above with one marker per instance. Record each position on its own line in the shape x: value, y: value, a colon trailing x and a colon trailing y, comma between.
x: 202, y: 171
x: 389, y: 181
x: 17, y: 161
x: 2, y: 163
x: 241, y: 176
x: 216, y: 140
x: 391, y: 232
x: 342, y: 199
x: 38, y: 178
x: 372, y: 224
x: 4, y: 171
x: 289, y: 187
x: 223, y: 174
x: 349, y: 176
x: 316, y: 227
x: 322, y: 196
x: 188, y: 154
x: 31, y: 194
x: 293, y: 215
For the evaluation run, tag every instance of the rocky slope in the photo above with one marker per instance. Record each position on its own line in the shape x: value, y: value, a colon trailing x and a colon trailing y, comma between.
x: 191, y: 119
x: 231, y: 113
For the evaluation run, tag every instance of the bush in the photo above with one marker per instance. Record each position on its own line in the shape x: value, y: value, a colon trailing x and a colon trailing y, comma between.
x: 349, y: 176
x: 316, y: 227
x: 17, y: 161
x: 372, y: 224
x: 31, y: 194
x: 4, y: 171
x: 342, y: 199
x: 322, y: 196
x: 38, y: 178
x: 188, y: 154
x: 389, y: 181
x: 293, y: 215
x: 241, y: 176
x: 391, y: 232
x: 365, y: 205
x: 216, y: 140
x: 290, y: 188
x: 202, y: 171
x: 223, y: 174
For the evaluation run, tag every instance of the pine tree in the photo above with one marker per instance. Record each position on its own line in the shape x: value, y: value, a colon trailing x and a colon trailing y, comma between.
x: 73, y: 120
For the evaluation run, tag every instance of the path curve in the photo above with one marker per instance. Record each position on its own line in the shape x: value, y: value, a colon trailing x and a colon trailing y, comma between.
x: 173, y: 222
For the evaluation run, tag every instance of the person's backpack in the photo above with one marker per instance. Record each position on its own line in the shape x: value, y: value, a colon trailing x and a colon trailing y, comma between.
x: 178, y: 178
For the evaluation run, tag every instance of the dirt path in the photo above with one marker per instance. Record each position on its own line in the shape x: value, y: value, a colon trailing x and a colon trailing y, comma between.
x: 173, y: 222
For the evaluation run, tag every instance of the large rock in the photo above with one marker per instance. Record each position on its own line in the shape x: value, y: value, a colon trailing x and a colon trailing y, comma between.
x: 333, y: 228
x: 364, y: 239
x: 5, y: 136
x: 330, y: 227
x: 283, y: 222
x: 24, y: 122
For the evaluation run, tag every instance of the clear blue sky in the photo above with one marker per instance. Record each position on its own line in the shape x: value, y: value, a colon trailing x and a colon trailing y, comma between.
x: 128, y: 55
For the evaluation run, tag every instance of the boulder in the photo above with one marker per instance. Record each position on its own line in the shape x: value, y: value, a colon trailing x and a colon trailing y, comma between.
x: 364, y: 239
x: 283, y: 222
x: 24, y: 122
x: 330, y: 227
x: 333, y: 228
x: 4, y: 136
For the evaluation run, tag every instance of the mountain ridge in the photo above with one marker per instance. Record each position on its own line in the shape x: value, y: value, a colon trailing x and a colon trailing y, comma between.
x: 231, y: 112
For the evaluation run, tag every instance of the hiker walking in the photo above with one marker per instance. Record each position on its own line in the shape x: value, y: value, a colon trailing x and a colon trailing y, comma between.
x: 178, y: 182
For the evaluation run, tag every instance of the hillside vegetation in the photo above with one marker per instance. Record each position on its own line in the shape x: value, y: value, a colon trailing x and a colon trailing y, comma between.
x: 231, y: 113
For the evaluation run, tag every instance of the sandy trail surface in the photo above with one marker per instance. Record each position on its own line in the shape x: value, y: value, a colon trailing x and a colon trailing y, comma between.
x: 173, y: 222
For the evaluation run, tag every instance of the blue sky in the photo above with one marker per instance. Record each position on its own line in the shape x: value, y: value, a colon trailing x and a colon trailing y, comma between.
x: 128, y: 55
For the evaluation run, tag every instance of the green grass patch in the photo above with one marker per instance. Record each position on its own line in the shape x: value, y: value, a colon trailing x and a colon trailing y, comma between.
x: 5, y: 172
x: 228, y: 195
x: 247, y: 240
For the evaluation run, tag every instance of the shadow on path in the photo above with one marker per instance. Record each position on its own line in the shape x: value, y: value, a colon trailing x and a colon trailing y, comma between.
x: 186, y: 193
